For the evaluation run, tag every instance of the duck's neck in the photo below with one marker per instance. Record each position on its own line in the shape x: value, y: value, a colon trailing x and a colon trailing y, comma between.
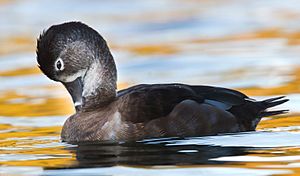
x: 99, y: 84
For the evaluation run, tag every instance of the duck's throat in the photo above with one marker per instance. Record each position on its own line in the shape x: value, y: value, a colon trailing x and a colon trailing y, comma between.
x: 99, y: 86
x: 101, y: 97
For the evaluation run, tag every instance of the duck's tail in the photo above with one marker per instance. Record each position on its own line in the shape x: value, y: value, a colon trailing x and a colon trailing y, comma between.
x: 250, y: 113
x: 269, y: 103
x: 262, y: 110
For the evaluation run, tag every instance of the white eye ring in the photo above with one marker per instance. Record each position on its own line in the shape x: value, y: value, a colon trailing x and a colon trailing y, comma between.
x: 59, y: 65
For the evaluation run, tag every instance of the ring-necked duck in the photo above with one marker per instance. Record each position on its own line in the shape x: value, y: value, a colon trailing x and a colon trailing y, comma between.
x: 78, y: 57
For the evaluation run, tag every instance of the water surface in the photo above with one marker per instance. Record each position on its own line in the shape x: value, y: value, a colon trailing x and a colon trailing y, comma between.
x: 249, y: 45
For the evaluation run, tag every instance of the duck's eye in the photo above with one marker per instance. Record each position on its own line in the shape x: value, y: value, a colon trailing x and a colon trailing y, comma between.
x: 59, y: 64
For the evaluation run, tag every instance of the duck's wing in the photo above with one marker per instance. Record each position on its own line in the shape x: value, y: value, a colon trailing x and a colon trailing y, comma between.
x: 143, y: 103
x: 146, y: 102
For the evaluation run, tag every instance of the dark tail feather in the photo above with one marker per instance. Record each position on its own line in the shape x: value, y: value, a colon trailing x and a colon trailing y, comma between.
x: 265, y: 104
x: 272, y: 113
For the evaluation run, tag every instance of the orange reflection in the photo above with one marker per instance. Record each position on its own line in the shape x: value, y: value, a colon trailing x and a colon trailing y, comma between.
x: 18, y: 44
x: 282, y: 121
x: 21, y: 72
x: 59, y: 106
x: 290, y: 87
x: 293, y: 38
x: 152, y: 49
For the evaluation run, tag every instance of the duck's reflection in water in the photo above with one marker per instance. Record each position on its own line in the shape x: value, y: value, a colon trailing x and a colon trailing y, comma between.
x: 107, y: 154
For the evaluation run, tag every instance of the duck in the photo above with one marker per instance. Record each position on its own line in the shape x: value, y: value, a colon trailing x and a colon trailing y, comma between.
x: 77, y: 56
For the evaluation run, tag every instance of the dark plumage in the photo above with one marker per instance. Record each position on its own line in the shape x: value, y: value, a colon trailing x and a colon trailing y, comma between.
x: 78, y: 57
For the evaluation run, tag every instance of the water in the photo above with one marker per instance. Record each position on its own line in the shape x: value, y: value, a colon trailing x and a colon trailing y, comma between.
x: 249, y: 45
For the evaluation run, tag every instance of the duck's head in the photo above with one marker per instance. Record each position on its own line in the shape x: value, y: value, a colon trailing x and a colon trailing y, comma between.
x: 78, y: 57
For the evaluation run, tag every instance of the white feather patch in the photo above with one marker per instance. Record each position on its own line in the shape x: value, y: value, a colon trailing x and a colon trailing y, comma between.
x: 71, y: 78
x: 112, y: 126
x: 92, y: 79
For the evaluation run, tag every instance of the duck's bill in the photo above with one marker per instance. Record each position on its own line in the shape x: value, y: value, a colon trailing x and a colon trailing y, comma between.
x: 75, y: 90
